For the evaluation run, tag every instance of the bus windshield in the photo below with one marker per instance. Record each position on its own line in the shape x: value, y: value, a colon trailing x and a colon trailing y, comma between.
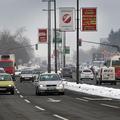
x: 6, y: 64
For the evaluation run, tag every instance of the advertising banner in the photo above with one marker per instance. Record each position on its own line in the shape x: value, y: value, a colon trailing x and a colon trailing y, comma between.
x: 42, y: 35
x: 67, y: 19
x: 88, y: 19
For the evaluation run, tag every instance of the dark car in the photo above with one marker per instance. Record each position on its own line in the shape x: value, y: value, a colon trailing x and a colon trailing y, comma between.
x: 66, y: 72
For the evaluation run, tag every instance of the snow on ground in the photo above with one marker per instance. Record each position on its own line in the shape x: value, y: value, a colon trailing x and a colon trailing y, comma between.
x: 94, y: 90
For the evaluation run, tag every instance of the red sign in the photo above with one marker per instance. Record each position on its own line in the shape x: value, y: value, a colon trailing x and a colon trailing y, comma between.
x: 67, y: 18
x: 88, y: 19
x: 42, y: 34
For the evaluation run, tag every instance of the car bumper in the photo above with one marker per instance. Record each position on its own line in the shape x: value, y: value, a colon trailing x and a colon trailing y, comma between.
x: 6, y: 89
x: 48, y: 89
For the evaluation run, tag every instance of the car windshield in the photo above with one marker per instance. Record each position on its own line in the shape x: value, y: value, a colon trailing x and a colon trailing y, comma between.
x: 49, y: 77
x: 26, y: 72
x: 5, y: 78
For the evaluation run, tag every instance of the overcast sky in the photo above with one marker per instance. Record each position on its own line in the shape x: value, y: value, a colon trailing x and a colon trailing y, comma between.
x: 28, y: 13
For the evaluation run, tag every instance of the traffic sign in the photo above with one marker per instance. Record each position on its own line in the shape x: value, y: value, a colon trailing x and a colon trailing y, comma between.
x: 67, y: 19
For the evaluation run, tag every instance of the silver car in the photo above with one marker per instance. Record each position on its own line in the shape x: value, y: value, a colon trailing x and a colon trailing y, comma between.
x: 49, y: 82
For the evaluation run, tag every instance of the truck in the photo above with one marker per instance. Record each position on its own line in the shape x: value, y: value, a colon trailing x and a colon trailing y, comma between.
x: 7, y: 61
x: 111, y: 71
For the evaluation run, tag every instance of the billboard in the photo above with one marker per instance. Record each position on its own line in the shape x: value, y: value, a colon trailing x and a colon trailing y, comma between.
x: 88, y: 19
x: 42, y: 35
x: 67, y: 19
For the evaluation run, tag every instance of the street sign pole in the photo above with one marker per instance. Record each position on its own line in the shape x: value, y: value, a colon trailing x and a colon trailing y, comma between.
x: 77, y: 62
x: 55, y: 36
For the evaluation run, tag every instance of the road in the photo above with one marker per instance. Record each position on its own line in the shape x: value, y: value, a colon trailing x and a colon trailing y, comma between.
x: 25, y: 105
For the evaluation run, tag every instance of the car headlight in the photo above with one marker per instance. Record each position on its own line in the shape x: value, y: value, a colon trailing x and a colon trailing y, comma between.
x: 9, y: 85
x: 60, y: 85
x: 41, y: 85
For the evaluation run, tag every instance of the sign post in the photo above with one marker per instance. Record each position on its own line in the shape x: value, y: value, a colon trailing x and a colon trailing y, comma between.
x: 67, y: 19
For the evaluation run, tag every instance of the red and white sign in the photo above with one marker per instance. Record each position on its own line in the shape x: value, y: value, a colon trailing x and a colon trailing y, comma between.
x: 67, y: 19
x: 89, y: 19
x: 42, y: 35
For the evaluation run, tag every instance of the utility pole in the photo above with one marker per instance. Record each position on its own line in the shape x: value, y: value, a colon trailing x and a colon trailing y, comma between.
x: 77, y: 62
x: 49, y: 36
x: 55, y: 36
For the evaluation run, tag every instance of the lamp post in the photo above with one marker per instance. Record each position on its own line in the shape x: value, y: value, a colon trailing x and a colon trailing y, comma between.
x: 77, y: 62
x: 55, y: 36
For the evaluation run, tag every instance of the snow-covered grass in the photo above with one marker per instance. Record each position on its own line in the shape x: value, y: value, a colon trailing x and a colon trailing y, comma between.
x: 94, y: 90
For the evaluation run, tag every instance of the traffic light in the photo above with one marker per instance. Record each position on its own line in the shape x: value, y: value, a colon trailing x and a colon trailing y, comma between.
x: 36, y: 46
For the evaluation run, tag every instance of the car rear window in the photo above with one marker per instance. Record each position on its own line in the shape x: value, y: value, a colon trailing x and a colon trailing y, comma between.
x: 86, y: 70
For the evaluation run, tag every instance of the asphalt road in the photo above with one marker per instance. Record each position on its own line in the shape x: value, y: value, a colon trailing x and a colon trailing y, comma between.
x: 25, y: 105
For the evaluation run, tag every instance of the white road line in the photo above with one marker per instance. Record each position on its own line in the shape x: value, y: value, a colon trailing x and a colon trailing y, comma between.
x: 82, y: 99
x: 21, y: 96
x: 53, y: 100
x: 18, y: 92
x: 60, y: 117
x: 16, y: 89
x: 27, y: 101
x: 95, y: 99
x: 110, y: 106
x: 39, y: 108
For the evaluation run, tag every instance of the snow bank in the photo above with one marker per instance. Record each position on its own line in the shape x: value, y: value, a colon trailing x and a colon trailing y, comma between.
x: 94, y: 90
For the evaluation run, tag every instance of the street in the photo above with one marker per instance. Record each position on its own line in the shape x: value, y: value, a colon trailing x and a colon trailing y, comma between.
x: 25, y: 105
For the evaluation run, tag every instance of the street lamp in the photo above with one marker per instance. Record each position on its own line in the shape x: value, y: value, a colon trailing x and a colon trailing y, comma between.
x: 55, y: 36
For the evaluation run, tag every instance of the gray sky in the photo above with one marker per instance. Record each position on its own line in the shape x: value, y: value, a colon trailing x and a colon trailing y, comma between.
x: 28, y: 13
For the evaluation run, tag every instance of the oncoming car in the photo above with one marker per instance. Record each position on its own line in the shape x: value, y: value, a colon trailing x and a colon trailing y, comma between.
x: 49, y: 82
x: 6, y: 83
x: 26, y: 75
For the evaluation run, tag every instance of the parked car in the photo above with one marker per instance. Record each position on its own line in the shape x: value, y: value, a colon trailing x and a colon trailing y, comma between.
x: 86, y: 74
x: 66, y: 72
x: 49, y: 82
x: 26, y: 75
x: 6, y: 83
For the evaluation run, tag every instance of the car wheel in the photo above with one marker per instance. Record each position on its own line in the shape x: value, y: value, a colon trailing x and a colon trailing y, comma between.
x: 12, y: 92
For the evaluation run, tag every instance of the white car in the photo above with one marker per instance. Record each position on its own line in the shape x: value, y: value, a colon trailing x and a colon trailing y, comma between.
x: 49, y: 82
x: 26, y: 75
x: 86, y: 74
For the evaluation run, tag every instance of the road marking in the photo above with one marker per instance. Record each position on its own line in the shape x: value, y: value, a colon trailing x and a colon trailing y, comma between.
x: 27, y: 101
x: 39, y: 108
x: 53, y: 100
x: 110, y: 106
x: 18, y: 92
x: 16, y: 89
x: 60, y: 117
x: 21, y: 96
x: 82, y: 99
x: 95, y: 99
